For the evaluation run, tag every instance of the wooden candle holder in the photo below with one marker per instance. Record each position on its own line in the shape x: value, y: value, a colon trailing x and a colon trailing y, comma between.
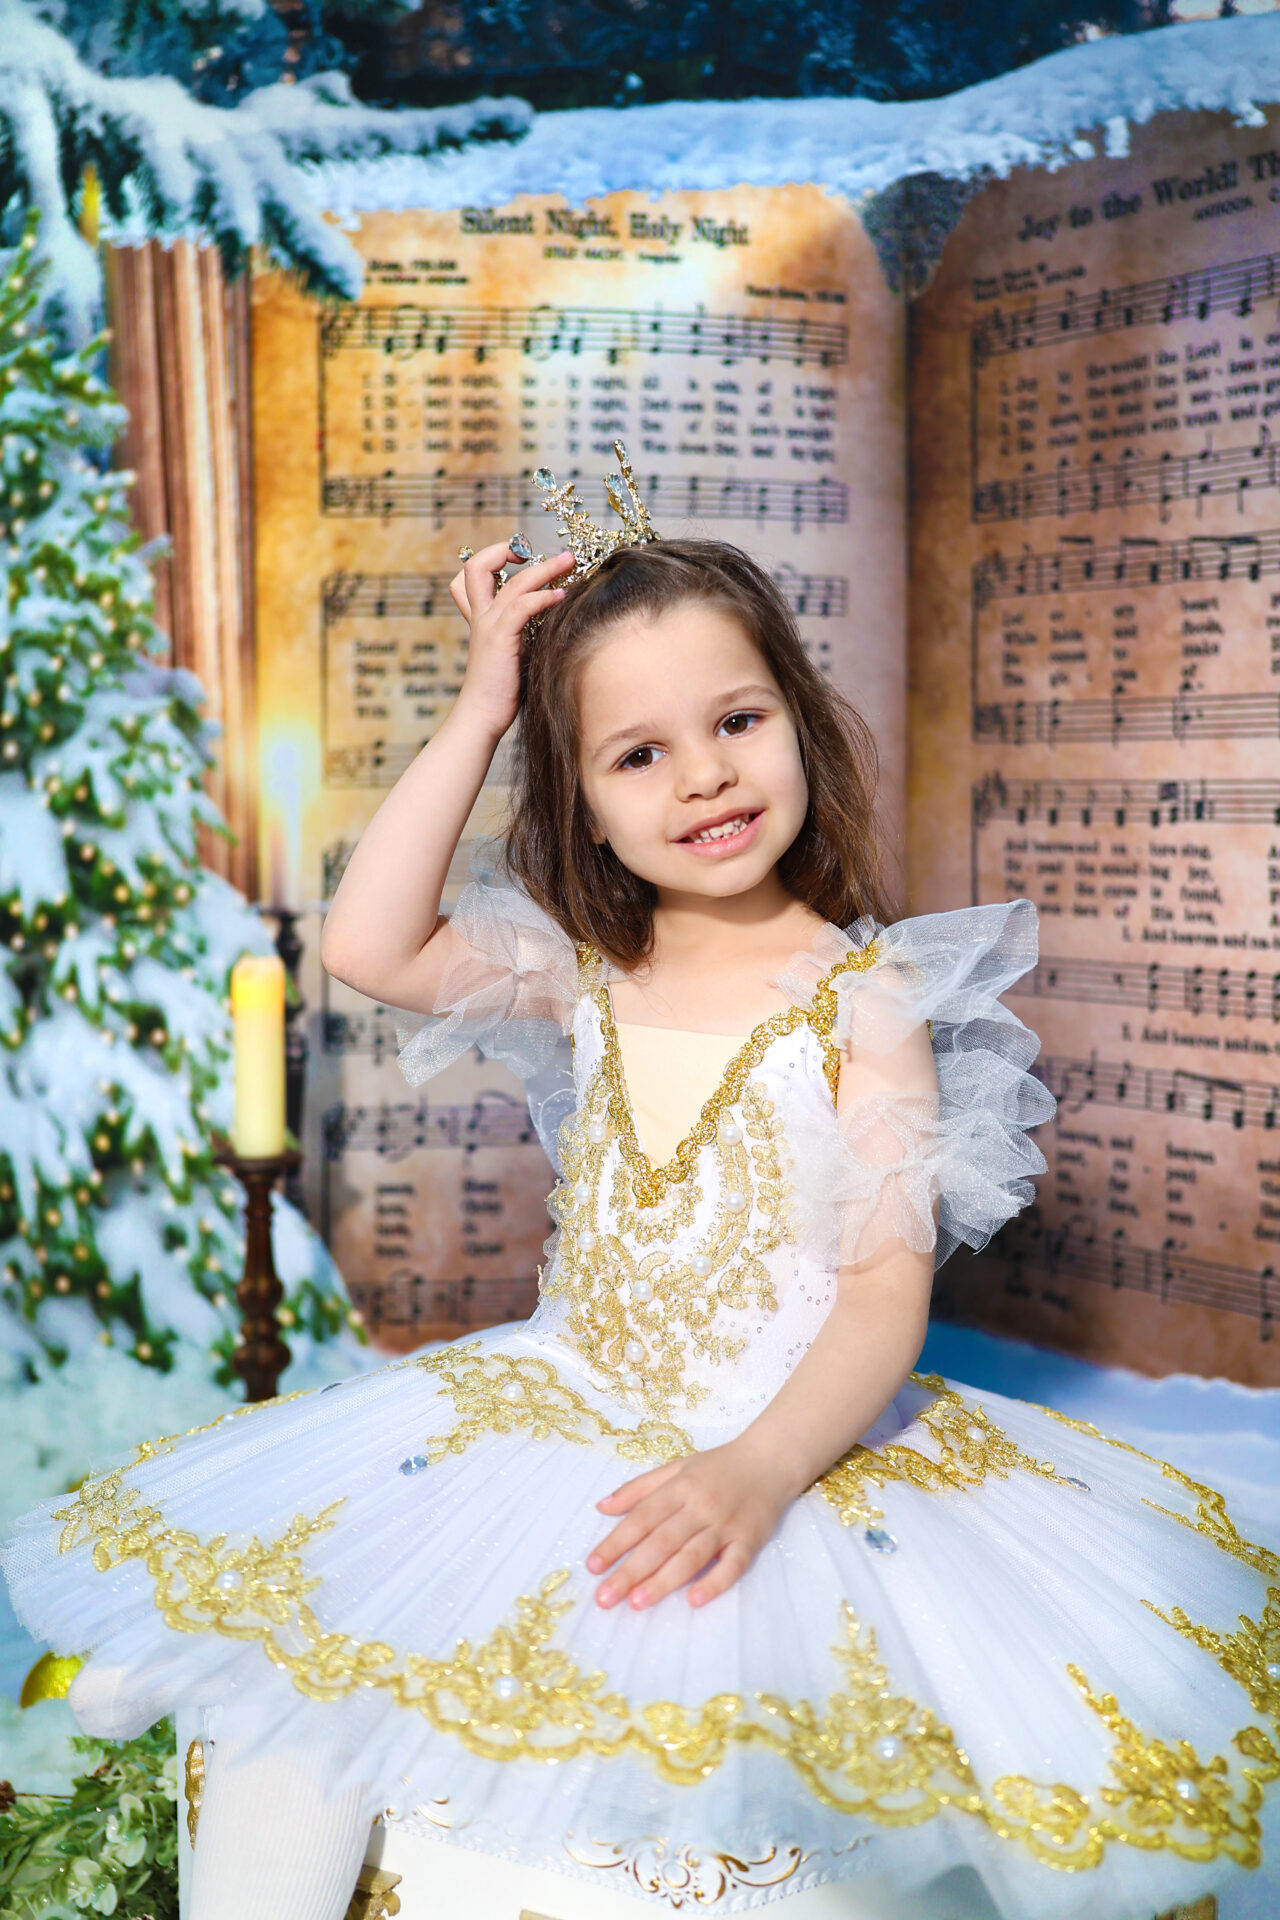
x: 261, y: 1355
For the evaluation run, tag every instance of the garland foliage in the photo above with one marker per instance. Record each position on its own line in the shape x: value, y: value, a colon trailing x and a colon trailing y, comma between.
x: 111, y: 1847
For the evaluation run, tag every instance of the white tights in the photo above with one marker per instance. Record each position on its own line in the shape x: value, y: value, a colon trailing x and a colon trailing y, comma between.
x: 268, y: 1844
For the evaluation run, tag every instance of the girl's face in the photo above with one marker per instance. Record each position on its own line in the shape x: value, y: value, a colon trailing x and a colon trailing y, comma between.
x: 682, y: 728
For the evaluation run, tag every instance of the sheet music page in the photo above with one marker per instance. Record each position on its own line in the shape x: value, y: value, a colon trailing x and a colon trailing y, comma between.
x: 745, y: 348
x: 1095, y: 616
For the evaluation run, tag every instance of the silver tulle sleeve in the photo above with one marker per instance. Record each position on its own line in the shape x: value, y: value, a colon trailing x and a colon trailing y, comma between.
x: 511, y: 992
x: 936, y: 1098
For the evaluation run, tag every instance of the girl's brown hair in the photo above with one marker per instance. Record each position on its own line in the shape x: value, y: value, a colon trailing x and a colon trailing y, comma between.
x: 834, y: 865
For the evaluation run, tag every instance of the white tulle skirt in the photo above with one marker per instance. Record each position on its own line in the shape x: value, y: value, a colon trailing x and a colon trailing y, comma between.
x: 994, y: 1639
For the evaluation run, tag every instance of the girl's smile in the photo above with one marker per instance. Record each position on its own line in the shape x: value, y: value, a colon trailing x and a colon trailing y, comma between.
x: 726, y: 834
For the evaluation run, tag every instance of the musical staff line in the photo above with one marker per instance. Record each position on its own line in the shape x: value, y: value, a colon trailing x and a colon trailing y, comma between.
x: 1157, y: 986
x: 394, y: 1129
x: 1172, y: 1277
x: 1196, y: 1096
x: 376, y: 764
x: 1133, y: 480
x: 1178, y: 716
x: 1078, y: 566
x: 385, y: 596
x: 380, y: 762
x: 401, y: 596
x: 685, y: 496
x: 1226, y: 802
x: 542, y: 332
x: 1235, y: 285
x: 372, y: 1034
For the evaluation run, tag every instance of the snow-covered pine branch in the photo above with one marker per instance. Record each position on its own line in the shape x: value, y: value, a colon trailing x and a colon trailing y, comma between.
x: 170, y: 166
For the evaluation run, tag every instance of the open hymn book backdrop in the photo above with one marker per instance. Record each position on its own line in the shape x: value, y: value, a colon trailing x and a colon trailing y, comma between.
x: 1094, y: 611
x: 749, y: 353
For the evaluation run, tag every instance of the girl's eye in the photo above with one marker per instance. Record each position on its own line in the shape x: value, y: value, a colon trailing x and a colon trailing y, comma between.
x: 629, y: 760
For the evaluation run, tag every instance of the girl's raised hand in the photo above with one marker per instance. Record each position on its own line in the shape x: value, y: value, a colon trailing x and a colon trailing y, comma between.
x: 721, y: 1506
x: 491, y: 686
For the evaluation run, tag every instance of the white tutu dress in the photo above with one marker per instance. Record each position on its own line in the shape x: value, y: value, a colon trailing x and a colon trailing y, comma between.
x: 988, y: 1637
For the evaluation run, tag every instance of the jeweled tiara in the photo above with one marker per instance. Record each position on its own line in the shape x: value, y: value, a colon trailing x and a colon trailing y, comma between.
x: 590, y: 544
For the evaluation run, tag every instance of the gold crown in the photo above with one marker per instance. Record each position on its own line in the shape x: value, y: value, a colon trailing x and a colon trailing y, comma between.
x: 589, y: 543
x: 592, y: 544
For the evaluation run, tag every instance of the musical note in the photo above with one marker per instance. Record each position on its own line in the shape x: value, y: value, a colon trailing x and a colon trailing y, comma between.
x: 1132, y: 717
x: 398, y: 596
x: 402, y: 1308
x: 1225, y: 802
x: 502, y: 496
x: 393, y: 1130
x: 1228, y: 286
x: 380, y: 763
x: 385, y: 596
x: 540, y: 332
x: 1157, y: 478
x: 1078, y: 566
x: 1153, y: 984
x: 1174, y: 1277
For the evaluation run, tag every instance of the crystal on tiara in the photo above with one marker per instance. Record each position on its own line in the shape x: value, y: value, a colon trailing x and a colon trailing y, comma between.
x: 590, y: 544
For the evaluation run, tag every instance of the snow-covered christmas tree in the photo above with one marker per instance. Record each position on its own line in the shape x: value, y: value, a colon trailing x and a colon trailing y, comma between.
x: 115, y: 945
x: 121, y: 1237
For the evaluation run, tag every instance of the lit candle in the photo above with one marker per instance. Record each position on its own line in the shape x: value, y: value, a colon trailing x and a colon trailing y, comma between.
x: 257, y: 1018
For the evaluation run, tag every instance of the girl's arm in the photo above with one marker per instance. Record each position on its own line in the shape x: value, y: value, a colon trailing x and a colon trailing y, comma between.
x: 383, y: 934
x: 724, y: 1504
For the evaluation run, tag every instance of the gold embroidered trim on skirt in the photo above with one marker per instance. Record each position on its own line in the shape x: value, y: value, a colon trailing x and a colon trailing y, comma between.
x: 1250, y: 1657
x: 375, y: 1896
x: 970, y: 1447
x: 1211, y: 1517
x: 513, y: 1393
x: 155, y: 1449
x: 870, y: 1754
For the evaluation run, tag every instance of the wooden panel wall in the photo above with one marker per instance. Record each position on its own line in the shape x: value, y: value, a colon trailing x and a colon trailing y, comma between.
x: 180, y: 362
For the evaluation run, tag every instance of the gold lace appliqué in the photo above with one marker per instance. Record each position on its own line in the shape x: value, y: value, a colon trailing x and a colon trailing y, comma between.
x: 1251, y: 1657
x: 1210, y: 1519
x: 871, y: 1752
x: 516, y: 1393
x: 970, y: 1448
x: 650, y: 1183
x: 636, y: 1311
x: 200, y: 1585
x: 165, y: 1444
x: 1166, y: 1796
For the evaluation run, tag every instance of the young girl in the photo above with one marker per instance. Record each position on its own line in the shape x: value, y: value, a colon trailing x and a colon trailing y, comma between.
x: 692, y: 1562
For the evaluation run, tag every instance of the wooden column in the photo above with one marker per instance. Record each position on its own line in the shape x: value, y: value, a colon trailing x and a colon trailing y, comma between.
x: 180, y: 363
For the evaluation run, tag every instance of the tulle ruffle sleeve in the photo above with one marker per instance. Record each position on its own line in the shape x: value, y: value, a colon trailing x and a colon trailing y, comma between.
x: 930, y: 1140
x: 510, y: 991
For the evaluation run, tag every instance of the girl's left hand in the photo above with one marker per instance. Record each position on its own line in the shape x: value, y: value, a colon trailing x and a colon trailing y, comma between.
x: 722, y: 1505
